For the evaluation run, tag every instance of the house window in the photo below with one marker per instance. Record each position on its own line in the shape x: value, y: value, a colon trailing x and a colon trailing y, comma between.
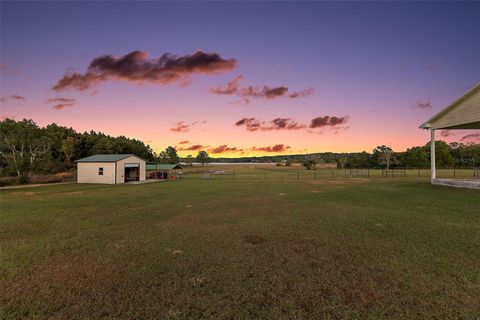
x: 100, y: 171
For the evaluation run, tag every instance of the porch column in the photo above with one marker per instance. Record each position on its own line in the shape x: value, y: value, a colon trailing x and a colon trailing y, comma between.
x: 432, y: 155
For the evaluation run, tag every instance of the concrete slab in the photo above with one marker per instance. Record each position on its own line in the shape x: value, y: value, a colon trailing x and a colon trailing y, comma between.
x: 146, y: 181
x: 458, y: 183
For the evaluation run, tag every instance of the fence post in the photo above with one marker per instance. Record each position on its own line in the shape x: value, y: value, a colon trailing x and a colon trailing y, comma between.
x: 368, y: 173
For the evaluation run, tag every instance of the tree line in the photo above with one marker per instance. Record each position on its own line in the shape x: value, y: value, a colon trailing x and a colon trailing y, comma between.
x: 453, y: 155
x: 26, y: 149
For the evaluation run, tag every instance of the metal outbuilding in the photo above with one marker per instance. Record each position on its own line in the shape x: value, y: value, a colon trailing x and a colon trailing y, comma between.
x: 111, y: 169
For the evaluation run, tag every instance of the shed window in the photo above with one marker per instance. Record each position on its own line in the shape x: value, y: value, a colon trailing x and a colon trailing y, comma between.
x: 100, y: 171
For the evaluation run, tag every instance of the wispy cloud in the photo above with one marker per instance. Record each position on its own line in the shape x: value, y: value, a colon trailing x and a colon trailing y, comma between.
x: 195, y: 147
x: 61, y: 103
x: 183, y: 126
x: 9, y: 70
x: 328, y: 121
x: 430, y: 67
x: 423, y: 104
x: 275, y: 148
x: 253, y: 124
x: 184, y: 142
x: 473, y: 137
x: 138, y: 68
x: 301, y: 94
x: 180, y: 126
x: 446, y: 133
x: 233, y: 87
x: 13, y: 97
x: 223, y: 149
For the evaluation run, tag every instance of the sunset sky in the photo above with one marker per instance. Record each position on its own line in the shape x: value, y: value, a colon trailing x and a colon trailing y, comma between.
x: 240, y: 79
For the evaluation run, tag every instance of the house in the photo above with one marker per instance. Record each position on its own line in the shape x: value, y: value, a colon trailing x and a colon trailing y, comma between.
x: 464, y: 113
x: 111, y: 169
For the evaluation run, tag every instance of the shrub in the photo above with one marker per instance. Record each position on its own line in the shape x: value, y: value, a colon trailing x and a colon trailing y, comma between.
x: 23, y: 179
x: 6, y: 182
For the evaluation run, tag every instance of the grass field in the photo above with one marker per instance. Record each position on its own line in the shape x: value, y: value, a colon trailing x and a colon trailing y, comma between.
x: 215, y: 249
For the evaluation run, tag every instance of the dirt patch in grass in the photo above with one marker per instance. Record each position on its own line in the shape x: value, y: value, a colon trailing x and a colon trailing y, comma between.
x: 254, y: 200
x: 199, y: 280
x: 339, y: 182
x: 254, y: 239
x: 182, y: 220
x: 73, y: 192
x: 43, y: 195
x: 28, y: 193
x: 176, y: 252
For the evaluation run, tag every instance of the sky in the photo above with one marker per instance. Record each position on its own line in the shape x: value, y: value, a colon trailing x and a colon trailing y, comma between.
x: 241, y: 78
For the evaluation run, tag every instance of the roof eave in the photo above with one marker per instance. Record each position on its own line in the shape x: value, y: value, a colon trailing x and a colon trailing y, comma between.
x: 450, y: 107
x: 124, y: 156
x: 98, y: 160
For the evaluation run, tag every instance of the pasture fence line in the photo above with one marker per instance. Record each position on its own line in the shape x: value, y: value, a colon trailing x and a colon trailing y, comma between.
x: 332, y: 173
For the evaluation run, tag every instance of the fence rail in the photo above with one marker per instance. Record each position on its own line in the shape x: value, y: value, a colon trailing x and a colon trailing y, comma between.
x: 294, y: 174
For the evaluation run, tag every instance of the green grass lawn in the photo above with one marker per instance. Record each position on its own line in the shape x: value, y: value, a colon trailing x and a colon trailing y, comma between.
x: 216, y: 249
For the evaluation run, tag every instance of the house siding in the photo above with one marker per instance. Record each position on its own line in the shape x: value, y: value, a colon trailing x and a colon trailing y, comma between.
x: 87, y: 172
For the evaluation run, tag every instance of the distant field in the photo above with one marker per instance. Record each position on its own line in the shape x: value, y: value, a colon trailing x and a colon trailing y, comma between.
x: 296, y: 171
x: 247, y: 249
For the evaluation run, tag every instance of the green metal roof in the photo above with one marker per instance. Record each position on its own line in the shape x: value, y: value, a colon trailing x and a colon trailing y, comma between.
x: 163, y: 166
x: 106, y: 158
